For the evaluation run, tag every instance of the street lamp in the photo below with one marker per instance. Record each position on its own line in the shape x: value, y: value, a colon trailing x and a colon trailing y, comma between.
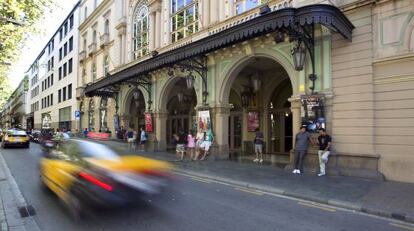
x: 256, y: 82
x: 189, y: 80
x: 299, y: 55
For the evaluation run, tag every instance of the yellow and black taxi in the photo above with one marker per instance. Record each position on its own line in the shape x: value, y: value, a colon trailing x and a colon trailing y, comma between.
x: 15, y: 138
x: 86, y: 174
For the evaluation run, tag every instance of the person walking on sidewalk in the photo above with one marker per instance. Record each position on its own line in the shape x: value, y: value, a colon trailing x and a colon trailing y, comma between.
x: 180, y: 145
x: 208, y: 141
x: 143, y: 139
x: 258, y: 145
x: 130, y: 138
x: 302, y: 142
x: 191, y: 145
x: 325, y: 142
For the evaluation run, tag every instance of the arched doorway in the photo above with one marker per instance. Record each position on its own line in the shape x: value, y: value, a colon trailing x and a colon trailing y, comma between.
x: 136, y: 109
x: 103, y: 114
x: 181, y: 110
x: 91, y: 115
x: 258, y: 99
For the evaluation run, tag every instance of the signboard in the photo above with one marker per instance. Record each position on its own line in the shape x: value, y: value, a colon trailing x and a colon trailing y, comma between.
x: 204, y: 121
x: 148, y: 122
x: 312, y: 112
x: 253, y: 121
x: 46, y: 121
x: 77, y: 115
x: 98, y: 135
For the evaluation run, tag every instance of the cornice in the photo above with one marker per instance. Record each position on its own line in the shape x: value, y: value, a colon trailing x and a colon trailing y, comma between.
x: 95, y: 14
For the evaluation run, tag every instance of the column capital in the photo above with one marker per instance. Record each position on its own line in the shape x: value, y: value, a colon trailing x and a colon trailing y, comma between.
x: 154, y: 6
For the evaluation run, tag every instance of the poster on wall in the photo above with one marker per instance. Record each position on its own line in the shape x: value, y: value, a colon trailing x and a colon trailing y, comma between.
x: 313, y: 112
x: 148, y: 122
x: 204, y: 122
x: 116, y: 122
x: 253, y: 121
x: 46, y: 121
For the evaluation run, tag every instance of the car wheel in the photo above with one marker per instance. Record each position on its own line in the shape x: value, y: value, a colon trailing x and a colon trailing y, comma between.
x: 27, y: 145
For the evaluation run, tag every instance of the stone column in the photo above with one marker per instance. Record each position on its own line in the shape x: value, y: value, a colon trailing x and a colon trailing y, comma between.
x: 160, y: 128
x: 205, y: 11
x: 158, y: 25
x: 152, y: 29
x: 295, y: 108
x: 221, y: 131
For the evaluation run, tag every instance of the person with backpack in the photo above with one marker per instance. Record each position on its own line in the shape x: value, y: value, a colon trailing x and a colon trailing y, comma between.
x: 143, y: 139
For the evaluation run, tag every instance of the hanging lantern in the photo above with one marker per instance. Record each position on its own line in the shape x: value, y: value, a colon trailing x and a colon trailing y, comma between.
x: 299, y: 55
x: 256, y: 82
x: 180, y: 96
x: 190, y: 80
x: 205, y: 95
x: 279, y: 37
x: 135, y: 94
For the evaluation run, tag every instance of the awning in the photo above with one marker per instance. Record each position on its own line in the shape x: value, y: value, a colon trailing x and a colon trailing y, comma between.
x: 326, y: 15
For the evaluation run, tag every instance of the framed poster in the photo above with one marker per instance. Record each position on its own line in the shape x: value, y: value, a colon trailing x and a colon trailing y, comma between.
x: 148, y: 122
x: 204, y: 121
x: 253, y: 121
x: 312, y: 112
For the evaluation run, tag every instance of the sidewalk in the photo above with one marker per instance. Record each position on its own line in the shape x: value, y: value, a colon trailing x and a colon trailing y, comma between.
x: 383, y: 198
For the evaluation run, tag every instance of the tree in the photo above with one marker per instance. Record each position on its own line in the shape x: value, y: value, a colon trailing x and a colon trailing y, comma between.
x: 18, y: 19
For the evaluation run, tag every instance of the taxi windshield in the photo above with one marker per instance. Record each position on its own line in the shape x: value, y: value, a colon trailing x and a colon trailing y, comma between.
x: 16, y: 133
x: 95, y: 150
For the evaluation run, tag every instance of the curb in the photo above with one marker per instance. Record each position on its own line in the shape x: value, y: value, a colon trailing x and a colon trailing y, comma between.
x: 12, y: 198
x: 281, y: 192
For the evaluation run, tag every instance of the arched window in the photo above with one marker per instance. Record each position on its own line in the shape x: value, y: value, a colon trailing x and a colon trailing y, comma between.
x: 103, y: 124
x: 106, y: 65
x: 140, y: 30
x: 106, y: 29
x: 93, y: 72
x: 91, y: 115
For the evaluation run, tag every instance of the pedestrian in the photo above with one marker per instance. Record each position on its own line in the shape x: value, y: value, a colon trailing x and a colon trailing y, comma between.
x: 180, y: 146
x: 135, y: 140
x: 208, y: 141
x: 325, y: 143
x: 302, y: 142
x: 191, y: 145
x: 143, y: 139
x: 130, y: 138
x: 258, y: 145
x: 85, y: 132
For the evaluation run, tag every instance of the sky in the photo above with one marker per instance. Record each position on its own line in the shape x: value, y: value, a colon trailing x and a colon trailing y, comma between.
x: 36, y: 43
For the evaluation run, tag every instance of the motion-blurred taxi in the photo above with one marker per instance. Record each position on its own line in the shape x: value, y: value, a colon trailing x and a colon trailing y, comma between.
x: 15, y: 138
x: 84, y: 173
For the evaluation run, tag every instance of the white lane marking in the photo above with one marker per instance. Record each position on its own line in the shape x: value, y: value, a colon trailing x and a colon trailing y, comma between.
x: 314, y: 205
x: 405, y: 227
x: 201, y: 180
x: 255, y: 192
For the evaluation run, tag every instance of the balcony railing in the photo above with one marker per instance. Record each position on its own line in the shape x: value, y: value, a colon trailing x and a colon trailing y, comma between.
x: 92, y: 48
x: 104, y: 40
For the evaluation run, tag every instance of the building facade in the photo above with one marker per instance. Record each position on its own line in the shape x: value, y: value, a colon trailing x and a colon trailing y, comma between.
x: 14, y: 111
x: 180, y: 65
x: 53, y: 78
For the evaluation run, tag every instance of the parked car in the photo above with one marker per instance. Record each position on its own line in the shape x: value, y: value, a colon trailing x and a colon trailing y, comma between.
x: 15, y: 137
x: 86, y: 174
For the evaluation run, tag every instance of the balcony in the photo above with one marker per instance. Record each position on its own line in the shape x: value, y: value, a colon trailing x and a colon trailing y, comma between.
x: 82, y: 56
x: 80, y: 92
x: 92, y: 48
x: 104, y: 40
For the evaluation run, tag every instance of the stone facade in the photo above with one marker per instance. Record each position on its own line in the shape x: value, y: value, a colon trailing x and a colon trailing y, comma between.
x: 367, y: 83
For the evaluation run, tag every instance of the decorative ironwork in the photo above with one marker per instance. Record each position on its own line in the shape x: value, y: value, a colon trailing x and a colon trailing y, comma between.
x: 143, y: 81
x: 197, y: 65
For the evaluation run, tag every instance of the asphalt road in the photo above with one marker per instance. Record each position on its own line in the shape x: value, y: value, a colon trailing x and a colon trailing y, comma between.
x: 191, y: 203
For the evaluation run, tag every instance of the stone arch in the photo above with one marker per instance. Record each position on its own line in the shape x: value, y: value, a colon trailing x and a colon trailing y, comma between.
x: 162, y: 96
x: 232, y: 72
x: 128, y: 97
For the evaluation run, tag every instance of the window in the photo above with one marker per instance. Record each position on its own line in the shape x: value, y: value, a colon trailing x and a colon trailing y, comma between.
x: 70, y: 91
x: 51, y: 80
x: 84, y: 44
x: 47, y: 101
x: 71, y: 44
x: 140, y: 31
x: 48, y: 81
x: 64, y: 94
x: 65, y: 49
x: 60, y: 54
x: 60, y: 34
x: 94, y: 36
x: 70, y: 66
x: 85, y: 13
x: 66, y: 28
x: 52, y: 62
x: 83, y: 76
x: 93, y: 72
x: 245, y: 5
x: 59, y: 96
x: 51, y: 99
x: 106, y: 27
x: 71, y: 21
x: 64, y: 70
x: 184, y: 18
x: 106, y: 65
x: 60, y: 73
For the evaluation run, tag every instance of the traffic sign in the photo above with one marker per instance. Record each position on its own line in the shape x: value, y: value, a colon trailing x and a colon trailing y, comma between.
x: 77, y: 115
